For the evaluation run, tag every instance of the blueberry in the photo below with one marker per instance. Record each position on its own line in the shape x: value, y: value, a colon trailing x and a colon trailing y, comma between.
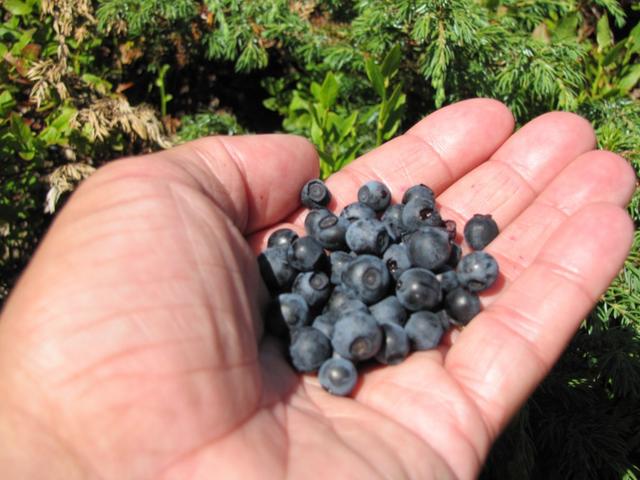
x: 326, y: 228
x: 325, y: 323
x: 420, y: 212
x: 462, y: 305
x: 429, y: 248
x: 276, y: 271
x: 445, y: 319
x: 314, y: 287
x: 306, y: 254
x: 396, y: 258
x: 451, y: 228
x: 287, y: 311
x: 424, y: 330
x: 368, y: 278
x: 343, y: 299
x: 315, y: 194
x: 418, y: 191
x: 357, y: 336
x: 480, y: 230
x: 477, y: 271
x: 395, y: 344
x: 375, y: 194
x: 339, y: 262
x: 338, y: 376
x: 282, y: 237
x: 309, y: 349
x: 368, y: 236
x: 357, y: 211
x: 454, y: 256
x: 392, y: 219
x: 448, y: 280
x: 418, y: 289
x: 389, y: 310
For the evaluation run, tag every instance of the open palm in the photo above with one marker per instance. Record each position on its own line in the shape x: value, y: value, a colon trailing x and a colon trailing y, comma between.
x: 133, y: 346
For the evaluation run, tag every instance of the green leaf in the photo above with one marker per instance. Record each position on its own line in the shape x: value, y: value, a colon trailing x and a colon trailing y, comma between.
x: 16, y: 7
x: 614, y: 54
x: 391, y: 62
x: 629, y: 81
x: 6, y: 103
x: 375, y: 77
x: 566, y: 28
x: 329, y: 90
x: 603, y: 33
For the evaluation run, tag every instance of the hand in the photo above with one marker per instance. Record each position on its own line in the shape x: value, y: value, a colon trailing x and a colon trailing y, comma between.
x: 133, y: 347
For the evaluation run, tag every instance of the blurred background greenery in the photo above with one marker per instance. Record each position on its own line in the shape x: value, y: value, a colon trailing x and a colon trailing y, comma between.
x: 83, y: 82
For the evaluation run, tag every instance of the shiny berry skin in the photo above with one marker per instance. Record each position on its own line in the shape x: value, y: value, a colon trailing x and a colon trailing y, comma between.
x: 448, y: 280
x: 338, y: 376
x: 477, y: 271
x: 326, y: 228
x: 480, y: 230
x: 375, y: 194
x: 314, y: 287
x: 429, y: 248
x: 424, y: 330
x: 389, y: 310
x: 309, y: 349
x: 343, y: 298
x: 356, y: 336
x: 392, y: 219
x: 395, y: 344
x: 275, y: 269
x: 306, y: 254
x: 357, y: 211
x: 282, y: 237
x: 418, y: 289
x: 368, y: 236
x: 462, y: 305
x: 368, y: 278
x: 420, y: 212
x: 396, y: 258
x: 418, y: 191
x: 315, y: 194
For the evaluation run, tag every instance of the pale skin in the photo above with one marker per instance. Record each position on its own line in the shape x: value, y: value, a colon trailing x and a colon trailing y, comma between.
x: 133, y: 346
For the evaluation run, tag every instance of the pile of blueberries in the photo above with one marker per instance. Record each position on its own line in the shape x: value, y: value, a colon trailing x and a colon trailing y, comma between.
x: 372, y: 283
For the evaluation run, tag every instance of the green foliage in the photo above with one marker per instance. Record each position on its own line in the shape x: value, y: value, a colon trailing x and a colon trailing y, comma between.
x: 349, y: 75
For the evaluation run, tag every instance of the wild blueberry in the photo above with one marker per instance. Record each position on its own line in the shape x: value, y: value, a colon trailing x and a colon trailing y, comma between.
x: 420, y: 212
x: 306, y: 254
x: 287, y: 311
x: 356, y: 336
x: 338, y: 376
x: 395, y: 344
x: 309, y: 349
x: 368, y: 236
x: 480, y: 230
x: 477, y: 271
x: 445, y: 319
x: 396, y: 258
x: 450, y: 227
x: 418, y: 289
x: 315, y: 194
x: 448, y: 280
x: 339, y: 262
x: 368, y: 278
x: 424, y: 330
x: 429, y: 248
x: 325, y: 323
x: 389, y: 310
x: 326, y: 228
x: 392, y: 219
x: 282, y: 237
x: 276, y: 271
x: 462, y: 305
x: 418, y: 191
x: 343, y: 299
x: 375, y: 194
x: 314, y: 287
x: 357, y: 211
x: 454, y: 257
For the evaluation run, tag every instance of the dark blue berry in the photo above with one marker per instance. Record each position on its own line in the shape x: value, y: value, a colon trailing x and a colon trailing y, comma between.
x: 418, y: 191
x: 326, y: 228
x: 343, y: 299
x: 454, y: 256
x: 368, y: 278
x: 392, y: 219
x: 480, y: 230
x: 420, y: 212
x: 368, y: 236
x: 287, y: 311
x: 357, y: 211
x: 445, y: 319
x: 315, y: 194
x: 477, y: 271
x: 396, y: 258
x: 357, y: 336
x: 395, y: 344
x: 325, y: 323
x: 448, y: 280
x: 339, y: 262
x: 306, y: 254
x: 309, y: 349
x: 276, y: 271
x: 314, y: 287
x: 462, y: 305
x: 424, y: 330
x: 389, y: 310
x: 282, y: 237
x: 375, y: 194
x: 418, y: 289
x: 338, y: 376
x: 450, y: 227
x: 429, y: 248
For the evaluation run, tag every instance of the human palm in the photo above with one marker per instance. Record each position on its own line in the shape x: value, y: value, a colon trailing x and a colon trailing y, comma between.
x: 133, y: 346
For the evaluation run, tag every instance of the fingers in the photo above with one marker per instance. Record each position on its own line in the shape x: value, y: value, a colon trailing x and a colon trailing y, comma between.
x: 255, y: 179
x: 509, y: 347
x: 436, y: 151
